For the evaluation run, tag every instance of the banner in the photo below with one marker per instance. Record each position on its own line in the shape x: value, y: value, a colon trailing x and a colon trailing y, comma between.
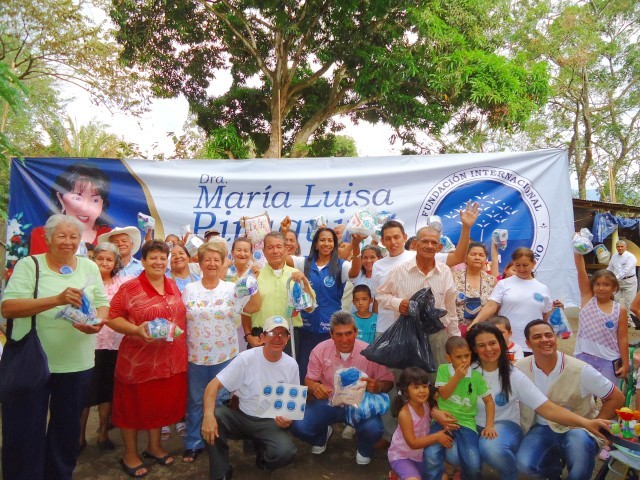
x: 527, y: 194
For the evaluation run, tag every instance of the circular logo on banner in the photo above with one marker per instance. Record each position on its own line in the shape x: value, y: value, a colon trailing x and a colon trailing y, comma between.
x: 268, y: 390
x: 508, y: 201
x: 279, y: 390
x: 293, y: 393
x: 277, y: 404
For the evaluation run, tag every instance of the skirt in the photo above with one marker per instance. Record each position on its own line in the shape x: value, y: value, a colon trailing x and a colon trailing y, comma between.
x: 101, y: 390
x: 151, y: 404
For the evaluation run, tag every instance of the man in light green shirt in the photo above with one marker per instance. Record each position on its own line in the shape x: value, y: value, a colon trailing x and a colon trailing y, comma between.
x: 272, y: 285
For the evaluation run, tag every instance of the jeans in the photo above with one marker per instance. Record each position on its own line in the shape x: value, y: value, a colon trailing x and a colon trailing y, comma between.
x: 319, y: 415
x: 542, y: 449
x: 33, y: 450
x: 500, y: 453
x: 199, y: 377
x: 465, y: 440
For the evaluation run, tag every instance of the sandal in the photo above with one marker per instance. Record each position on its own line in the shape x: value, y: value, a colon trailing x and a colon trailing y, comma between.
x: 181, y: 429
x: 165, y: 433
x: 165, y: 461
x: 133, y: 471
x: 190, y: 454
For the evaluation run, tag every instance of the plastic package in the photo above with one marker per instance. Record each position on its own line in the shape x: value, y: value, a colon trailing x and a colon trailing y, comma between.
x: 163, y: 329
x: 363, y: 223
x: 76, y: 315
x: 434, y: 221
x: 602, y: 253
x: 315, y: 223
x: 559, y: 323
x: 372, y: 404
x: 447, y: 244
x: 348, y: 387
x: 500, y: 237
x: 405, y: 343
x: 582, y: 242
x: 256, y: 228
x: 146, y: 222
x: 246, y: 286
x: 193, y: 244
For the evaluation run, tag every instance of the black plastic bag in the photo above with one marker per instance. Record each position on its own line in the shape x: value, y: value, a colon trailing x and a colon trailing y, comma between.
x: 405, y: 343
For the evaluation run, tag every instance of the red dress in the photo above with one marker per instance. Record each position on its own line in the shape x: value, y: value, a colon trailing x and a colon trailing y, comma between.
x: 38, y: 244
x: 150, y: 389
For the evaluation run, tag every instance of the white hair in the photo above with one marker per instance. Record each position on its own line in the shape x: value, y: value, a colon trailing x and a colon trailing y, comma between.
x: 58, y: 219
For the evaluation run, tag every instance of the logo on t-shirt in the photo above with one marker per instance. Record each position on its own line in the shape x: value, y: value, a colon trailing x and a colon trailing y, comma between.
x: 329, y: 282
x: 507, y: 201
x: 538, y: 297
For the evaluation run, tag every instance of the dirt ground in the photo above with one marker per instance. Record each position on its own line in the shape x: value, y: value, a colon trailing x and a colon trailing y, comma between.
x: 337, y: 463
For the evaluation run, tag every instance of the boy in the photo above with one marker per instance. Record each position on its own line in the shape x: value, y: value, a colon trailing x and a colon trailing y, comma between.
x: 365, y: 320
x: 504, y: 325
x: 458, y: 390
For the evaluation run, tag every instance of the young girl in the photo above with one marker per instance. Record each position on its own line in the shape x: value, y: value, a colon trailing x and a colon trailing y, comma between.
x: 370, y: 255
x: 413, y: 408
x: 602, y: 338
x: 521, y: 298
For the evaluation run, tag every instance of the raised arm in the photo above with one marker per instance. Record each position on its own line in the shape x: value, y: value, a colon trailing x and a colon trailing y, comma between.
x: 468, y: 217
x: 583, y: 279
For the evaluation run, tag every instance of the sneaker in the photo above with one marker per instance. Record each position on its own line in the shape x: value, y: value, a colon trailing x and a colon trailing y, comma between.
x: 361, y: 460
x: 181, y: 429
x: 605, y: 453
x: 348, y: 432
x: 165, y: 433
x: 317, y: 450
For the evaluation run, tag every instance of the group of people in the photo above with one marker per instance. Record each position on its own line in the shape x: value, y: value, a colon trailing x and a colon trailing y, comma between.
x: 502, y: 395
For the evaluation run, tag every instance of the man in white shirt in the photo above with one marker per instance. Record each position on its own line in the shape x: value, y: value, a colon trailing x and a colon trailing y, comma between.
x: 623, y: 265
x: 573, y: 384
x: 246, y: 375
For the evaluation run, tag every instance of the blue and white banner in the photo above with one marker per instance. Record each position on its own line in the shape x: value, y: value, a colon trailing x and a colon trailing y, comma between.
x: 528, y: 194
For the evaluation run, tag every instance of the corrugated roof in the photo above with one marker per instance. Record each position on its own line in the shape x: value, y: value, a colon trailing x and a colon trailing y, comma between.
x: 614, y: 208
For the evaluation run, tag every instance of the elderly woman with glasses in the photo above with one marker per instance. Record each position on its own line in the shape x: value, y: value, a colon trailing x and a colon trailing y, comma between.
x: 212, y: 339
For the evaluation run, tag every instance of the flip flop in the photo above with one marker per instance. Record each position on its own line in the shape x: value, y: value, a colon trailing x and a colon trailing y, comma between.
x: 132, y: 471
x: 164, y: 461
x: 190, y: 455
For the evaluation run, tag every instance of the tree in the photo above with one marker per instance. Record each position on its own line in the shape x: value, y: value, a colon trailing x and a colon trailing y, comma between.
x: 331, y: 145
x: 298, y: 67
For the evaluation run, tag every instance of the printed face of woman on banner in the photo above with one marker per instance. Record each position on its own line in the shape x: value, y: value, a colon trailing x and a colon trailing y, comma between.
x: 83, y: 192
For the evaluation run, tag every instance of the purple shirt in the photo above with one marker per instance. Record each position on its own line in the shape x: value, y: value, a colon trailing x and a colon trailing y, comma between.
x: 325, y: 359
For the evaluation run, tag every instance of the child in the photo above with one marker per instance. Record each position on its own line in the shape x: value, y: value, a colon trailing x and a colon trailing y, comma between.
x: 459, y: 388
x: 603, y: 332
x: 413, y: 406
x: 504, y: 325
x: 365, y: 320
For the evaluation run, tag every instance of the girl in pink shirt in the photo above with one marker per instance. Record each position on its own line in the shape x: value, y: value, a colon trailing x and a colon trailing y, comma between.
x: 413, y: 408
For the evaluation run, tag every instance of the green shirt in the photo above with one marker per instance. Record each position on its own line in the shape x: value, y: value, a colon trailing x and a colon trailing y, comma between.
x: 275, y: 296
x: 462, y: 403
x: 68, y: 349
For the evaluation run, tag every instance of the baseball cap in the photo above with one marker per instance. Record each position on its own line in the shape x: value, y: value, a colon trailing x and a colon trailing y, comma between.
x: 274, y: 322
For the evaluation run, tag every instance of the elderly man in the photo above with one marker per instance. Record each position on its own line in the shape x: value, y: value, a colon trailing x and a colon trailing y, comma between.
x: 623, y: 265
x: 342, y: 350
x: 128, y: 241
x: 572, y: 384
x: 394, y: 239
x: 272, y: 285
x: 420, y: 272
x: 246, y: 375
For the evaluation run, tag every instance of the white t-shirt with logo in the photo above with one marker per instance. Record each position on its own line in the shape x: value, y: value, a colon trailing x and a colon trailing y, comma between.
x: 250, y: 371
x: 521, y: 301
x: 522, y: 390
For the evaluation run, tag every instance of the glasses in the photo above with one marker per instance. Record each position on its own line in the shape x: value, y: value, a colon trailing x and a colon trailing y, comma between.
x: 278, y: 334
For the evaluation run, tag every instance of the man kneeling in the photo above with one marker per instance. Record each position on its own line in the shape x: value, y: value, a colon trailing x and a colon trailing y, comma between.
x: 246, y: 375
x: 342, y: 350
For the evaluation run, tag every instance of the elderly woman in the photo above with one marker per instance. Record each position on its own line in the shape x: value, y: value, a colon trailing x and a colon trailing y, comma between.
x: 474, y: 285
x: 212, y: 340
x: 32, y: 447
x: 107, y: 257
x: 180, y: 271
x: 150, y: 388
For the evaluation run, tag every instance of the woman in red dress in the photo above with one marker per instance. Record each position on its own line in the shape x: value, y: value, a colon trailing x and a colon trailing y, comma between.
x: 151, y: 375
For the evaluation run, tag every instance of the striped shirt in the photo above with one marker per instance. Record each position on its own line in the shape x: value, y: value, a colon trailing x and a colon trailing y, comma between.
x: 406, y: 279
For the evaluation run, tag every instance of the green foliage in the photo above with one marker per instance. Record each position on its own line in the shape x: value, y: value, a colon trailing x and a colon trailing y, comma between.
x: 331, y: 145
x: 225, y: 143
x: 299, y: 67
